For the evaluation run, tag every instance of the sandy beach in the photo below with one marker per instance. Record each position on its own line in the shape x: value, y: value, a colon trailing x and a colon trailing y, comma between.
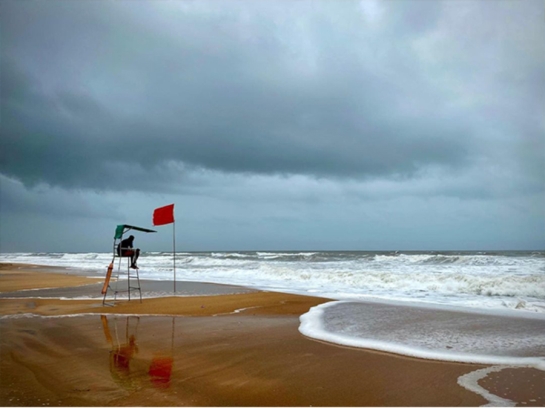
x: 240, y: 349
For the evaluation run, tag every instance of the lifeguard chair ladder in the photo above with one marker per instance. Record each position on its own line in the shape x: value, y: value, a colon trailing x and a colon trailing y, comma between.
x: 131, y: 273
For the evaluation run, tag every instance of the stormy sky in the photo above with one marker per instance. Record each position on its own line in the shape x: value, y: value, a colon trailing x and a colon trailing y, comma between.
x: 273, y: 125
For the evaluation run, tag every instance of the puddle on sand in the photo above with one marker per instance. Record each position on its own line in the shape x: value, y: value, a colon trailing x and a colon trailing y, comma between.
x: 88, y: 360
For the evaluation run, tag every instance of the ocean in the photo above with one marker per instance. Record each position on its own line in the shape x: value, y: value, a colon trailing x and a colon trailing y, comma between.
x: 485, y: 307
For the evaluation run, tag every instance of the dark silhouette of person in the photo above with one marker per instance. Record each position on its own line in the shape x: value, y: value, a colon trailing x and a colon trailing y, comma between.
x: 125, y: 248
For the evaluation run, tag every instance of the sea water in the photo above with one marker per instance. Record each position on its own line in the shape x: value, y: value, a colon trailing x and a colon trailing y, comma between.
x: 486, y: 307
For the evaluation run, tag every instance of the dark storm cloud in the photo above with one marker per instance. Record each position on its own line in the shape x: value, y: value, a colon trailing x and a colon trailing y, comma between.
x: 108, y: 94
x: 113, y: 95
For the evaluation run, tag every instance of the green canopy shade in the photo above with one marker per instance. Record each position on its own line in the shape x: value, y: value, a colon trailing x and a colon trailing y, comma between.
x: 122, y: 228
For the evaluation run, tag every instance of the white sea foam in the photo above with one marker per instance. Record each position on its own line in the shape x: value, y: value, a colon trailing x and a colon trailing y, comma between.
x: 431, y: 332
x: 470, y: 381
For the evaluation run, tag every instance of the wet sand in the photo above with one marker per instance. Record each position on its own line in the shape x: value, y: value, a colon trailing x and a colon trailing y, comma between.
x: 241, y: 349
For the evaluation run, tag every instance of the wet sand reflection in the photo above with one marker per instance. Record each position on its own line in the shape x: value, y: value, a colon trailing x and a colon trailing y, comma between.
x: 124, y: 348
x: 160, y: 369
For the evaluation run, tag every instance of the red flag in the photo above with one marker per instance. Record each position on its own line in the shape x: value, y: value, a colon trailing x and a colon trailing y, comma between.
x: 163, y: 215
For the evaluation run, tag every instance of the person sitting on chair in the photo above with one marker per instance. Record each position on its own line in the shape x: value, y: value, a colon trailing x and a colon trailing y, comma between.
x: 125, y: 248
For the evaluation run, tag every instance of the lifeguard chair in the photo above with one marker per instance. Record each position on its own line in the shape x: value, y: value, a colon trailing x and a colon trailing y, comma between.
x: 131, y: 273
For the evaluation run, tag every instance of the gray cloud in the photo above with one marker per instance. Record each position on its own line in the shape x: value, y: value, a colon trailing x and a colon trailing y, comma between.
x: 218, y: 99
x: 262, y: 104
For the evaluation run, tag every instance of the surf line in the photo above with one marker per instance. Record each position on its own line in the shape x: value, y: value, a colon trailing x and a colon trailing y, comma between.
x: 470, y: 381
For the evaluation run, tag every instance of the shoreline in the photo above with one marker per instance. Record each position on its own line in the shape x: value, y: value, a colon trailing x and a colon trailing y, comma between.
x: 218, y: 350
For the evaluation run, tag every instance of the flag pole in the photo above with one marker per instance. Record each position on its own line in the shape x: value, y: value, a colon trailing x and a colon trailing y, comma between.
x: 174, y: 251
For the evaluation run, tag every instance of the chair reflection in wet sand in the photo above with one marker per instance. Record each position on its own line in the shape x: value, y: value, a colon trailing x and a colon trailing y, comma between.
x: 122, y: 351
x: 160, y: 369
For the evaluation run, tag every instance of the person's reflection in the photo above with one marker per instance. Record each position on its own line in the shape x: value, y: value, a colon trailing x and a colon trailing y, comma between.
x: 122, y: 356
x: 121, y: 352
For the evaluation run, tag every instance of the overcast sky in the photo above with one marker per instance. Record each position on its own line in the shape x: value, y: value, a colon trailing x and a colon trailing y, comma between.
x: 273, y: 125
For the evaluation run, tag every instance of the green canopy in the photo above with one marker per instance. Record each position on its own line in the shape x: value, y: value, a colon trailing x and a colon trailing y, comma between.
x: 122, y: 228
